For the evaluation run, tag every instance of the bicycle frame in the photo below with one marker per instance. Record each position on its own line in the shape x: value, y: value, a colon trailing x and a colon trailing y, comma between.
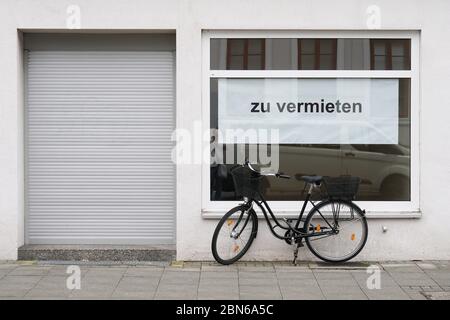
x: 297, y: 231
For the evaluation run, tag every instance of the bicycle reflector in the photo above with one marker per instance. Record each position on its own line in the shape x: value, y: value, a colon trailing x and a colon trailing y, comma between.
x: 353, y: 237
x: 318, y: 227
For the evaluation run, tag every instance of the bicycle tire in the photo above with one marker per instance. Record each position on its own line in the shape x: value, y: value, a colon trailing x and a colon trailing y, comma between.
x: 254, y: 226
x: 365, y: 230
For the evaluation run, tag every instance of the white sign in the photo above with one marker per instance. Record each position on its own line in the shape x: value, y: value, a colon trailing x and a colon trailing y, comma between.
x: 309, y: 111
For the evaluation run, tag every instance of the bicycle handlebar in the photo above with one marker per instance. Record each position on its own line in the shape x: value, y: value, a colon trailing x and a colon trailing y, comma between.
x: 277, y: 175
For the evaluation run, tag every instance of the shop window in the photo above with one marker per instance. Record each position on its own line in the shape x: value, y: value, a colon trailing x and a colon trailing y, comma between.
x: 385, y: 166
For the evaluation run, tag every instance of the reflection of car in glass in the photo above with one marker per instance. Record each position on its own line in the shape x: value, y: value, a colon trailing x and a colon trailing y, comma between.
x: 383, y: 169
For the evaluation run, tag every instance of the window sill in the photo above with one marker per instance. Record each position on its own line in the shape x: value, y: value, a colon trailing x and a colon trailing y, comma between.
x: 213, y: 214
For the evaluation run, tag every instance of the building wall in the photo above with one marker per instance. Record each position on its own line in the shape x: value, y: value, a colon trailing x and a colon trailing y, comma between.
x: 423, y: 238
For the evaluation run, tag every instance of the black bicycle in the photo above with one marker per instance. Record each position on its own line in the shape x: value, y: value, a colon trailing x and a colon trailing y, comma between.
x: 335, y: 229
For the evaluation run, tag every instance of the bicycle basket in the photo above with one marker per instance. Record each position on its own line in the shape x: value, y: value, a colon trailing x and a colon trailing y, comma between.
x: 246, y: 182
x: 343, y: 187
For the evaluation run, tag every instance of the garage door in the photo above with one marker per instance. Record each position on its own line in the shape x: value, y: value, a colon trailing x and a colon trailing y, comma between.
x: 98, y: 147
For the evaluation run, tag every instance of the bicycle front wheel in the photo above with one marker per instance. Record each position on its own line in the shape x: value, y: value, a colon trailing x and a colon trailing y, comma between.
x: 234, y: 235
x: 336, y: 230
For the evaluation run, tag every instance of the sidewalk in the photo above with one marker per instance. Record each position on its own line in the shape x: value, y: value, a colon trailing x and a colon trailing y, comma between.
x: 207, y: 280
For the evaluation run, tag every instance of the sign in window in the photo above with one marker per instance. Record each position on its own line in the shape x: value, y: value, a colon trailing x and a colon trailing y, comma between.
x: 312, y: 111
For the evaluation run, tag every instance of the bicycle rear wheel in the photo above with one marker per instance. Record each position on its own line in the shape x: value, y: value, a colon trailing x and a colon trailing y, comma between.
x: 234, y: 235
x: 336, y: 230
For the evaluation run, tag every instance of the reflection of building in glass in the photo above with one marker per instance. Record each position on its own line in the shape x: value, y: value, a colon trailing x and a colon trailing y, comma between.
x: 246, y: 54
x: 311, y: 54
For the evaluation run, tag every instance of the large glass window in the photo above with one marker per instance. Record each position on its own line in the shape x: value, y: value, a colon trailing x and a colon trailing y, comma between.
x: 384, y: 168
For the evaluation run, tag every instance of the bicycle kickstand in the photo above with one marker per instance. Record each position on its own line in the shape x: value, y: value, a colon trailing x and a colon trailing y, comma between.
x: 295, y: 251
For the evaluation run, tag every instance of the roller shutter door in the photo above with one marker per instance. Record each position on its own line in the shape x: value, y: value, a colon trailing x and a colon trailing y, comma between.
x: 98, y: 147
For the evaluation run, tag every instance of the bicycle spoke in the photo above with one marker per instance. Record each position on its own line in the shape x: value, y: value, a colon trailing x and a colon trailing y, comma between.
x: 347, y: 236
x: 227, y: 247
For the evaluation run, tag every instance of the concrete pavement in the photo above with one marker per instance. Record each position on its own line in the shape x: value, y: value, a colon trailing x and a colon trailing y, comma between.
x: 206, y: 280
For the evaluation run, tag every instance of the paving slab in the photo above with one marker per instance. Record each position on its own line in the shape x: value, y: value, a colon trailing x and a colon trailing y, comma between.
x: 176, y: 292
x: 250, y: 292
x: 339, y: 283
x: 17, y: 286
x: 256, y: 268
x: 294, y: 275
x: 309, y: 292
x: 443, y: 295
x: 385, y: 280
x: 144, y: 272
x: 258, y: 282
x: 13, y: 293
x: 219, y: 282
x: 61, y: 270
x: 427, y: 266
x: 30, y: 271
x: 346, y: 296
x: 401, y: 267
x: 218, y: 292
x: 48, y: 293
x: 138, y: 283
x: 412, y: 279
x: 52, y: 282
x: 416, y: 280
x: 4, y: 273
x: 386, y: 293
x: 257, y: 275
x: 212, y: 275
x: 293, y: 269
x: 136, y: 288
x: 133, y: 295
x: 301, y: 283
x: 93, y: 290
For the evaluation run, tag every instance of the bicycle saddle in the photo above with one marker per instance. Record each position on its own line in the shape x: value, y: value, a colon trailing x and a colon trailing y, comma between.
x: 309, y: 179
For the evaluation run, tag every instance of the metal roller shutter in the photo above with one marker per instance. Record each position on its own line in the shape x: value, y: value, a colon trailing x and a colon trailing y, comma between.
x: 98, y: 147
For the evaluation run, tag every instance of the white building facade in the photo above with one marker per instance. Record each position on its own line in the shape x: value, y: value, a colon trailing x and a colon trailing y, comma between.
x: 92, y: 91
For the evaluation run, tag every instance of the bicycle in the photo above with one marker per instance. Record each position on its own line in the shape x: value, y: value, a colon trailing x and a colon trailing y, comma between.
x: 335, y: 229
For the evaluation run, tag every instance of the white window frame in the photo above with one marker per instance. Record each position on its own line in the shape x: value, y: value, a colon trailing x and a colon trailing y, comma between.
x: 290, y: 209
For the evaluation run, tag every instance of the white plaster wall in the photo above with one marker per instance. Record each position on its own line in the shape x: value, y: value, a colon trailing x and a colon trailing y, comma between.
x: 425, y: 238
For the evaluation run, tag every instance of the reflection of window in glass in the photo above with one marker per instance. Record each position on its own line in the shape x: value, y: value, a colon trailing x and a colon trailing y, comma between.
x: 317, y: 54
x: 310, y: 54
x: 245, y: 54
x: 390, y: 54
